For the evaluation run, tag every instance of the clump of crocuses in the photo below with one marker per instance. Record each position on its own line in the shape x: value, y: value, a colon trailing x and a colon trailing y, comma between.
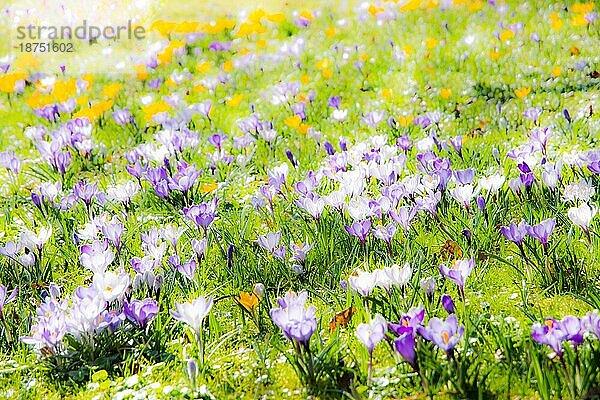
x: 298, y: 323
x: 574, y: 346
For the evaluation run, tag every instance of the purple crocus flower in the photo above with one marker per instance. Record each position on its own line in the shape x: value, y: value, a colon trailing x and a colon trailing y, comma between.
x: 154, y: 83
x: 141, y: 311
x: 404, y: 216
x: 85, y: 192
x: 10, y: 162
x: 270, y: 241
x: 573, y: 328
x: 526, y: 176
x: 594, y: 167
x: 481, y: 203
x: 217, y: 139
x: 448, y: 304
x: 539, y: 138
x: 532, y: 113
x: 329, y: 148
x: 551, y: 333
x: 457, y: 144
x: 10, y: 249
x: 515, y: 232
x: 374, y: 118
x: 136, y: 169
x: 591, y: 323
x: 122, y: 117
x: 404, y: 143
x: 113, y: 231
x: 204, y: 108
x: 187, y: 269
x: 360, y: 229
x: 405, y: 345
x: 297, y: 322
x: 460, y: 271
x: 444, y: 334
x: 299, y: 252
x: 61, y: 161
x: 96, y: 256
x: 385, y: 233
x: 219, y: 46
x: 299, y: 109
x: 185, y: 178
x: 334, y: 102
x: 422, y: 120
x: 465, y: 177
x: 203, y: 214
x: 302, y: 22
x: 542, y: 231
x: 291, y: 157
x: 567, y: 115
x: 412, y: 320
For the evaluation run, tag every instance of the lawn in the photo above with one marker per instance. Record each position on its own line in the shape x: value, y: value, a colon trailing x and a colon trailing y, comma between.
x: 302, y: 200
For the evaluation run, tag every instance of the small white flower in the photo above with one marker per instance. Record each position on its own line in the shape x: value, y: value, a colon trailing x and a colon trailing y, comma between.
x: 582, y: 215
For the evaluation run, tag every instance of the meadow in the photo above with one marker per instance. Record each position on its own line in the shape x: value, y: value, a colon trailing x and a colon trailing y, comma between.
x: 383, y: 200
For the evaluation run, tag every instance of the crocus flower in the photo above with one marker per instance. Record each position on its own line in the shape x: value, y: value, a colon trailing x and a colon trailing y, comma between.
x: 122, y: 117
x: 360, y: 229
x: 464, y: 194
x: 429, y: 285
x: 297, y: 322
x: 412, y: 320
x: 96, y: 256
x: 591, y: 323
x: 313, y: 205
x: 465, y: 176
x: 404, y: 216
x: 405, y: 346
x: 398, y: 275
x: 448, y: 304
x: 10, y: 249
x: 5, y: 300
x: 270, y: 241
x: 203, y: 214
x: 385, y: 233
x: 85, y: 191
x: 515, y: 232
x: 187, y: 269
x: 594, y: 167
x: 457, y: 143
x: 551, y: 333
x: 459, y: 272
x: 373, y: 118
x: 542, y: 231
x: 582, y: 216
x: 141, y: 311
x: 193, y: 312
x: 372, y: 333
x: 199, y: 246
x: 444, y: 334
x: 35, y: 241
x: 299, y: 252
x: 539, y: 138
x: 111, y: 285
x: 10, y: 162
x: 113, y: 231
x: 404, y: 143
x: 363, y: 282
x: 532, y: 113
x: 573, y: 328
